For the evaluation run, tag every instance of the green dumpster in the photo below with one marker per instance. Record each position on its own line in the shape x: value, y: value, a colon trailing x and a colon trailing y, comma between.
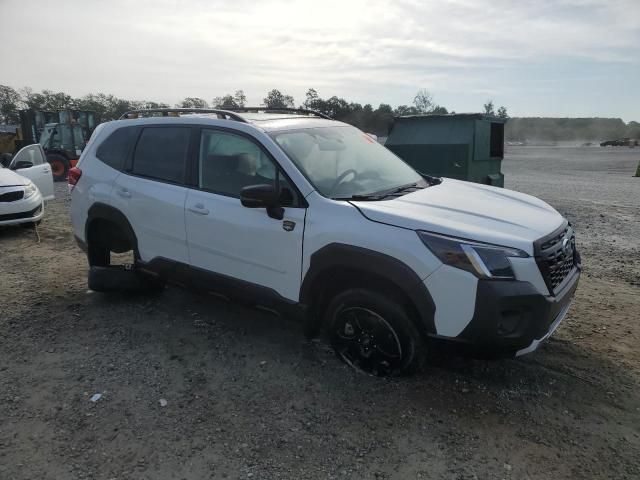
x: 467, y: 146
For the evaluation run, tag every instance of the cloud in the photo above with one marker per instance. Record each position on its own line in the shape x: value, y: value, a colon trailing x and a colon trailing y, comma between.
x: 370, y: 51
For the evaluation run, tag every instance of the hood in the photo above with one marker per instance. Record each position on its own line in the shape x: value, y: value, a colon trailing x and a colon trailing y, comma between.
x: 471, y: 211
x: 9, y: 178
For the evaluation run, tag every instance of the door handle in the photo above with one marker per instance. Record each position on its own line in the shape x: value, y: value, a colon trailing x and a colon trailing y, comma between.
x: 123, y: 192
x: 199, y: 209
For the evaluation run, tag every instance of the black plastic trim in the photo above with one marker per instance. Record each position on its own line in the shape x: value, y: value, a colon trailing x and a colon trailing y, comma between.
x: 340, y: 257
x: 207, y: 281
x: 165, y: 111
x: 21, y: 215
x: 81, y: 243
x: 103, y: 211
x: 537, y: 244
x: 530, y: 312
x: 279, y: 110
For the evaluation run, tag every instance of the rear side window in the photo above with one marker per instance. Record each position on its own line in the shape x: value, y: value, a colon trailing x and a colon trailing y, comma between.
x: 161, y: 153
x: 113, y: 151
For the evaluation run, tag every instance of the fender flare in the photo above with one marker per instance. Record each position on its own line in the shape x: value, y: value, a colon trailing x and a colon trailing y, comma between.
x: 339, y: 256
x: 102, y: 211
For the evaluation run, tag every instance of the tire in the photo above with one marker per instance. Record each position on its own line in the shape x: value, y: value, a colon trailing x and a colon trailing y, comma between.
x: 374, y: 334
x: 59, y: 166
x: 122, y: 279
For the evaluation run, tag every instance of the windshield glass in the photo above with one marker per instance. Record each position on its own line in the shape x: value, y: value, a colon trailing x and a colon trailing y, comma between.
x: 342, y: 162
x: 46, y: 134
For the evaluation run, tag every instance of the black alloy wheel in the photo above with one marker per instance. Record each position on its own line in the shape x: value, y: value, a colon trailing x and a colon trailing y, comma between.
x: 365, y: 340
x: 373, y: 333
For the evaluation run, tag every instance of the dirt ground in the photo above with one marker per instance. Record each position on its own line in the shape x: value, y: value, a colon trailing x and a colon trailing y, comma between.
x: 247, y: 397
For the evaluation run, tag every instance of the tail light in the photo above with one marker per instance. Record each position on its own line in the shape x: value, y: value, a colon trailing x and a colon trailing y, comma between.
x: 74, y: 175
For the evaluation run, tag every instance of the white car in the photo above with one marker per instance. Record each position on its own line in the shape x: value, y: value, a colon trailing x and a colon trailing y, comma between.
x: 25, y: 186
x: 297, y: 211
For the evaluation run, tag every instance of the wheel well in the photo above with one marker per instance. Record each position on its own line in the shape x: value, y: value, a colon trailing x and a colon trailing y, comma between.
x: 333, y: 281
x: 58, y: 153
x: 102, y: 232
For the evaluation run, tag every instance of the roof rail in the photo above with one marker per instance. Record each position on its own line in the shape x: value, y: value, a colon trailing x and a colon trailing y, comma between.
x: 279, y: 110
x: 166, y: 111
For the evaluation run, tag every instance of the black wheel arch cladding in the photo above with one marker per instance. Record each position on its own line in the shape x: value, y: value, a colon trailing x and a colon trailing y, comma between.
x: 339, y: 257
x: 102, y: 212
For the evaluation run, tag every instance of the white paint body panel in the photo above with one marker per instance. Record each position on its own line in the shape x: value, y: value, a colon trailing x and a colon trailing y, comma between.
x: 454, y: 293
x: 95, y: 185
x: 472, y: 211
x: 330, y: 221
x: 39, y: 173
x: 20, y: 206
x: 245, y: 243
x: 9, y: 178
x: 155, y: 211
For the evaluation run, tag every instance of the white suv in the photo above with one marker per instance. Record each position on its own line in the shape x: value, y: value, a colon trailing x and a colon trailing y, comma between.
x: 291, y: 209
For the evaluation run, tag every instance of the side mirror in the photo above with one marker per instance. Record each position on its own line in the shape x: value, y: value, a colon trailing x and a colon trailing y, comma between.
x: 262, y: 196
x: 259, y: 196
x: 22, y: 164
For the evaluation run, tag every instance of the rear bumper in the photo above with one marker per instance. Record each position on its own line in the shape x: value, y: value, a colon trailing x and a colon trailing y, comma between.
x: 512, y: 318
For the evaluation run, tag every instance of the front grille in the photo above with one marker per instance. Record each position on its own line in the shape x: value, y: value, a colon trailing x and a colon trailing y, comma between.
x: 12, y: 196
x: 556, y: 256
x: 18, y: 216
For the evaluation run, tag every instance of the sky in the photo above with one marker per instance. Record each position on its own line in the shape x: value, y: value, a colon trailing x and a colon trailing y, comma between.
x: 566, y: 58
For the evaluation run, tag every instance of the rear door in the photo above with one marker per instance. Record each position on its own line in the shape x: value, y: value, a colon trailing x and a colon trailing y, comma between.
x: 234, y: 241
x: 152, y: 192
x: 30, y: 162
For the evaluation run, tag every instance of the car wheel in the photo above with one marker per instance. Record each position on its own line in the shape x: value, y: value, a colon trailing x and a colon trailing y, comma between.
x: 59, y: 166
x: 373, y: 334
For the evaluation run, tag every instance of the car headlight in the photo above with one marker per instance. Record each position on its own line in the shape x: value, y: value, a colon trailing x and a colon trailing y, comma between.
x: 482, y: 259
x: 30, y: 190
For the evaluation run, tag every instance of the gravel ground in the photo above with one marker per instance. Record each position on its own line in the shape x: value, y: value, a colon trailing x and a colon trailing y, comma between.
x: 194, y: 387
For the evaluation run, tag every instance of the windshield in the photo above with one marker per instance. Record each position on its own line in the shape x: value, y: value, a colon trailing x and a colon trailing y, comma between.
x: 45, y: 136
x: 342, y: 162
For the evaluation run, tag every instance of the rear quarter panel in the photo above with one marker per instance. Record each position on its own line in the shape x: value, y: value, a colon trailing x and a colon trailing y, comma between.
x: 95, y: 184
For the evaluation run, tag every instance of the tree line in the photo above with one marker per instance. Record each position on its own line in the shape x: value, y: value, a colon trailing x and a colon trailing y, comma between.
x: 552, y: 130
x: 109, y: 107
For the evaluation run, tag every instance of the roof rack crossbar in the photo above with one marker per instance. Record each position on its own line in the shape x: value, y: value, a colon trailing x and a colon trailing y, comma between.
x: 165, y: 111
x: 279, y: 110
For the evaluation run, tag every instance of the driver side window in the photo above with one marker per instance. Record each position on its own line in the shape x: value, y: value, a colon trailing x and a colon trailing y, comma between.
x: 228, y: 162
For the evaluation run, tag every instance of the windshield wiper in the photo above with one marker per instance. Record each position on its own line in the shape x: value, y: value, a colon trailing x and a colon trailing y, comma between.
x: 431, y: 180
x: 401, y: 189
x: 385, y: 193
x: 361, y: 197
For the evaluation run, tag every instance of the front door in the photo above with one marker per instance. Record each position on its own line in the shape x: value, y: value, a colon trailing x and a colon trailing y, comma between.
x: 231, y: 240
x: 30, y: 162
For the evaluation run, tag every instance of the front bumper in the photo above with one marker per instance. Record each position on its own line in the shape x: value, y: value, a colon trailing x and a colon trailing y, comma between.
x: 29, y: 215
x: 513, y: 318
